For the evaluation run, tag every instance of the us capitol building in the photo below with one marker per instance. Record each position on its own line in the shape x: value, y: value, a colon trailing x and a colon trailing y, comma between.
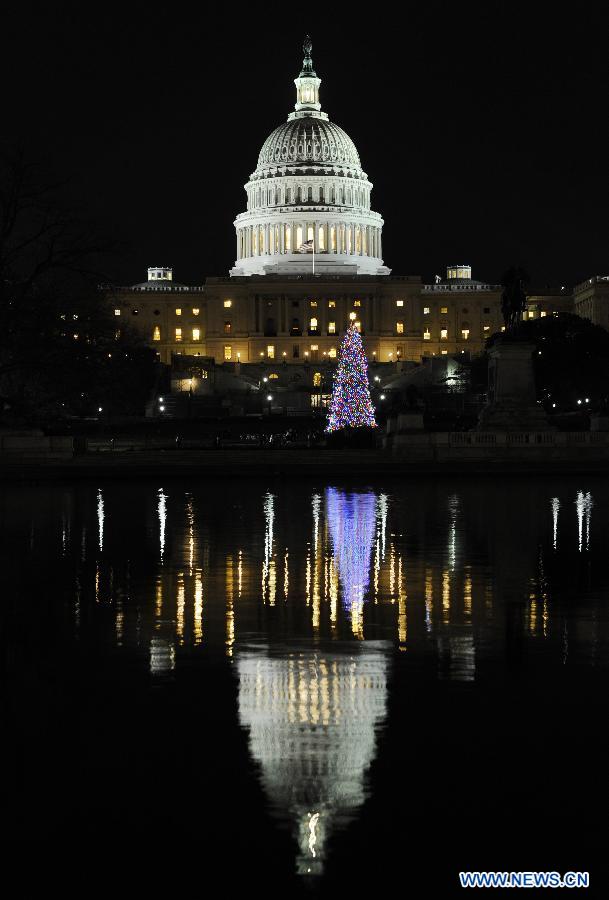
x: 309, y: 260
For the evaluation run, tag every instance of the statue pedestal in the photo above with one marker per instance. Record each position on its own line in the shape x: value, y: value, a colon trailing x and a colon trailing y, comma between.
x: 512, y: 404
x: 410, y: 421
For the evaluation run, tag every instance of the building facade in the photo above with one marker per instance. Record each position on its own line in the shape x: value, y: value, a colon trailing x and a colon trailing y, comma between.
x: 309, y: 263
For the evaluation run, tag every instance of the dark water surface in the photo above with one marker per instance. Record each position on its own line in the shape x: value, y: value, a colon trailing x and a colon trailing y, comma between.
x: 306, y: 688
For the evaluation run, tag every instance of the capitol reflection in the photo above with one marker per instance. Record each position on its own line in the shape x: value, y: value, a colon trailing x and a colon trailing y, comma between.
x: 311, y: 716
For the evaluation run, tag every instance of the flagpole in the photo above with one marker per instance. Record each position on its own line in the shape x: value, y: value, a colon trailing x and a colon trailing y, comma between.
x: 314, y: 251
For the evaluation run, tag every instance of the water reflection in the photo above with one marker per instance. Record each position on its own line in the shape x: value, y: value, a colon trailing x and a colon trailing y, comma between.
x: 311, y: 716
x: 100, y: 519
x: 308, y: 598
x: 162, y: 514
x: 584, y: 505
x: 351, y: 519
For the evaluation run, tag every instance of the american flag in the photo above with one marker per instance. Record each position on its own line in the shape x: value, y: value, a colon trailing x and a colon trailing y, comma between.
x: 307, y: 247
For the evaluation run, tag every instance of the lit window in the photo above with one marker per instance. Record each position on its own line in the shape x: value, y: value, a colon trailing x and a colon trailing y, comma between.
x: 314, y: 347
x: 444, y: 352
x: 313, y: 324
x: 270, y: 351
x: 426, y: 310
x: 228, y: 304
x: 399, y: 327
x: 178, y: 334
x: 195, y: 311
x: 503, y: 327
x: 358, y: 326
x: 313, y: 303
x: 531, y: 314
x: 331, y: 304
x: 228, y: 352
x: 543, y: 313
x: 357, y: 302
x: 196, y: 334
x: 486, y: 328
x: 399, y: 303
x: 178, y: 312
x: 317, y: 379
x: 443, y: 334
x: 117, y: 312
x: 156, y: 334
x: 227, y: 327
x: 273, y: 375
x: 332, y: 352
x: 465, y: 334
x: 444, y: 309
x: 427, y: 335
x: 331, y: 327
x: 352, y: 315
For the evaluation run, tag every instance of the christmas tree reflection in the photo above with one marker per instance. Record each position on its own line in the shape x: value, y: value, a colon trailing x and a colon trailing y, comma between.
x: 351, y: 520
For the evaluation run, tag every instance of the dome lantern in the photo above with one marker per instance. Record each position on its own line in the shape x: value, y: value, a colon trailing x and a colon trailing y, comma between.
x: 307, y: 87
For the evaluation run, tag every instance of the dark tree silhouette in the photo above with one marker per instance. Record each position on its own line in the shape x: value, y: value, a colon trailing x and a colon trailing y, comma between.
x: 60, y: 353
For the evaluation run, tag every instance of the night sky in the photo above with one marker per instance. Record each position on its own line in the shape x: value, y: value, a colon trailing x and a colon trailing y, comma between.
x: 484, y: 131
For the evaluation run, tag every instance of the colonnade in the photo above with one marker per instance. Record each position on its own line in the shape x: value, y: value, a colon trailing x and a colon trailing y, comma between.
x: 274, y: 239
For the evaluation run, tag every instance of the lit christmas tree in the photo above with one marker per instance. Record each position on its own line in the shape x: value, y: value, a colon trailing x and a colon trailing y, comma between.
x: 350, y: 406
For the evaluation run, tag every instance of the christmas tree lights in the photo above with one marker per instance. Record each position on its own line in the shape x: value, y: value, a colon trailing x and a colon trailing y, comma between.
x: 350, y: 406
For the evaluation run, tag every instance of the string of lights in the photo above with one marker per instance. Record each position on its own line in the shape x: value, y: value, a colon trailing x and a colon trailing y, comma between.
x: 351, y: 406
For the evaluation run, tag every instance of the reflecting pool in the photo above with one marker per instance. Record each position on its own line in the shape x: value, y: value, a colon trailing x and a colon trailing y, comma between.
x: 307, y: 687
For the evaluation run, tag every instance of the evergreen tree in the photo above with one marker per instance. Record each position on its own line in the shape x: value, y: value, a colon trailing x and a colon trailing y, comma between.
x: 350, y: 406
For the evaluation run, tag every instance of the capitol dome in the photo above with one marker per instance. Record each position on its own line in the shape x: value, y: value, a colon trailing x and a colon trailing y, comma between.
x: 308, y: 200
x: 309, y: 140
